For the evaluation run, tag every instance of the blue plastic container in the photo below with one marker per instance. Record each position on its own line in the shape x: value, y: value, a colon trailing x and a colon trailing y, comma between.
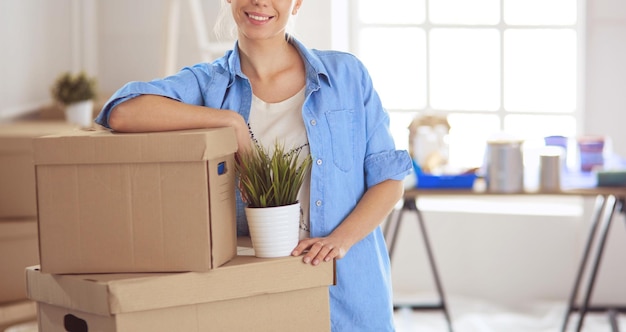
x: 430, y: 181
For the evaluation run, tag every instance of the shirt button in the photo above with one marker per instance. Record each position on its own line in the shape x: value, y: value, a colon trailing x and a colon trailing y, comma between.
x: 313, y: 122
x: 318, y: 203
x: 319, y: 161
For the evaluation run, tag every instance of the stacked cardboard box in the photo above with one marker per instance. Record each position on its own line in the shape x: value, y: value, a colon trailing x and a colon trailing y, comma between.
x: 137, y: 233
x: 17, y: 173
x: 153, y: 202
x: 18, y: 250
x: 245, y: 294
x: 18, y: 215
x: 15, y: 313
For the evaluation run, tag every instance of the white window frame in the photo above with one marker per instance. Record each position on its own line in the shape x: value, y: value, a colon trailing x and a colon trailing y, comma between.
x: 353, y: 46
x: 349, y: 42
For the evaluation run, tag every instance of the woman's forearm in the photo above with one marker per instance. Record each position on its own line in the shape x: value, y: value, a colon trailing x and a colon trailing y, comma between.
x: 150, y: 113
x: 374, y: 206
x: 369, y: 213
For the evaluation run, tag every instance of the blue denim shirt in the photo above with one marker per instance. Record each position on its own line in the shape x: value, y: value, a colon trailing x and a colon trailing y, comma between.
x: 352, y: 149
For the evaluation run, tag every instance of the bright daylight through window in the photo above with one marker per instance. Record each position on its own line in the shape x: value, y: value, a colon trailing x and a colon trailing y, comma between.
x: 488, y: 65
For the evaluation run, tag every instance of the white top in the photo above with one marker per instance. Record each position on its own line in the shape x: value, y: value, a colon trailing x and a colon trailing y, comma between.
x: 283, y: 121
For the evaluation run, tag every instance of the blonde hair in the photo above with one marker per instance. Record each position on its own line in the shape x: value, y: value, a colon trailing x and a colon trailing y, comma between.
x: 226, y: 28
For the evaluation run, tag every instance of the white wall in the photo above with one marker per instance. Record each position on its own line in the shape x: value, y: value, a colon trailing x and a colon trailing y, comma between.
x: 36, y: 43
x: 605, y: 100
x: 132, y: 37
x: 515, y: 257
x: 117, y: 40
x: 511, y: 258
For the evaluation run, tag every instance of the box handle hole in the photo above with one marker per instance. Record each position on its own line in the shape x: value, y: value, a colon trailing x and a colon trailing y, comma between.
x: 74, y: 324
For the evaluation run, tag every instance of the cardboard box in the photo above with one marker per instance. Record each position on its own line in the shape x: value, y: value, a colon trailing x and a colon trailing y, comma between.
x: 18, y: 250
x: 29, y: 326
x: 17, y: 312
x: 246, y: 294
x: 17, y: 173
x: 155, y: 202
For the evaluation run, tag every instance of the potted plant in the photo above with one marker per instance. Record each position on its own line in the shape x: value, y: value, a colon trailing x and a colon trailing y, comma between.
x: 76, y: 93
x: 269, y: 182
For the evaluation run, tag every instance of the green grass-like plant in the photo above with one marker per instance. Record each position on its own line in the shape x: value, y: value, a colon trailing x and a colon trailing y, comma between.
x: 71, y: 88
x: 271, y: 179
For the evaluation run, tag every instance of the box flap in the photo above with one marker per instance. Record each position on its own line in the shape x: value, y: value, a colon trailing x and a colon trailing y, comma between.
x: 68, y: 291
x: 109, y: 294
x: 105, y: 147
x: 17, y: 136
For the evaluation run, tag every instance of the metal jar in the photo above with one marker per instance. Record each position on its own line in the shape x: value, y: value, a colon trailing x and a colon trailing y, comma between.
x: 504, y: 166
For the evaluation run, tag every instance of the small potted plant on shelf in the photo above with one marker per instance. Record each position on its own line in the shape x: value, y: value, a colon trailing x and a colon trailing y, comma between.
x: 76, y: 93
x: 269, y: 182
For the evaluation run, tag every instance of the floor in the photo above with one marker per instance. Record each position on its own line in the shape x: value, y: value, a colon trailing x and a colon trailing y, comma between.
x: 472, y: 315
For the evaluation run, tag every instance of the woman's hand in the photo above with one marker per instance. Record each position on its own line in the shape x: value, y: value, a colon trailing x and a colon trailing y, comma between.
x: 371, y: 210
x: 244, y: 143
x: 320, y: 249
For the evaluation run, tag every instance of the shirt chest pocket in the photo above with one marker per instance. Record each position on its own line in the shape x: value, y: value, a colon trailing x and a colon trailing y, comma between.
x: 341, y: 126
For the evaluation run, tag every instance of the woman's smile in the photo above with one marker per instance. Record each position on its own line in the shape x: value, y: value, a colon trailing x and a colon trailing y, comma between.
x: 257, y: 18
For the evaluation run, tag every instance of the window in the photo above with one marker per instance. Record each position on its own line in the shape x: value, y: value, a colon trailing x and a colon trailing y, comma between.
x: 488, y: 65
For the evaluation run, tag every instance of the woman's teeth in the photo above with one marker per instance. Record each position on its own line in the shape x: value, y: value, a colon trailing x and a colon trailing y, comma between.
x: 258, y: 18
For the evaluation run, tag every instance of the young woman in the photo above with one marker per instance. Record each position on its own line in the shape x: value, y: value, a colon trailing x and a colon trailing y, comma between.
x: 270, y: 86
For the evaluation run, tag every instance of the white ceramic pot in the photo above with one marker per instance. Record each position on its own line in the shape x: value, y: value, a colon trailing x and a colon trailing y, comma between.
x: 80, y: 113
x: 274, y: 231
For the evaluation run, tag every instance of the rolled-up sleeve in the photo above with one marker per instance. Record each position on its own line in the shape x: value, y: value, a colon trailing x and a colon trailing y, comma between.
x: 103, y: 118
x: 388, y: 165
x: 382, y: 160
x: 184, y: 86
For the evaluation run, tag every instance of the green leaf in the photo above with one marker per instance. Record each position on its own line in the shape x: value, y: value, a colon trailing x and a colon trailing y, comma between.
x: 271, y: 179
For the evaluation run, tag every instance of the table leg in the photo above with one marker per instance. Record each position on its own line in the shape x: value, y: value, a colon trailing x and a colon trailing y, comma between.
x: 613, y: 320
x: 433, y: 266
x: 597, y: 214
x: 610, y: 208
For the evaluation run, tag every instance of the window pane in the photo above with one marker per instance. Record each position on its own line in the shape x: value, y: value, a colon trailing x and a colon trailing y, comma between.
x: 540, y: 70
x: 399, y: 127
x: 464, y: 11
x: 465, y: 69
x: 392, y: 11
x: 543, y: 12
x: 399, y: 78
x: 533, y: 127
x: 468, y: 138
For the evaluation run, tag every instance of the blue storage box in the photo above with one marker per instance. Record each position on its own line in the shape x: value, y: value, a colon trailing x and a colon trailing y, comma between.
x: 431, y: 181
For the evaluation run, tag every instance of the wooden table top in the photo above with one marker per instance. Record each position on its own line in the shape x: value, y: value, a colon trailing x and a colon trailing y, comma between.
x: 480, y: 190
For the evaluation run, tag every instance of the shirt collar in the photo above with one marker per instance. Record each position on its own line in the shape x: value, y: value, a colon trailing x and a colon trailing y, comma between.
x: 312, y: 63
